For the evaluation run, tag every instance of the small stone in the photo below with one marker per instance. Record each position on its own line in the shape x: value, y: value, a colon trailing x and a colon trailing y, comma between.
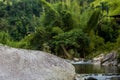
x: 76, y: 59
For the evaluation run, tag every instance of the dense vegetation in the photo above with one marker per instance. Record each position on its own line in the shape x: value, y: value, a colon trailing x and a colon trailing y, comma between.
x: 66, y: 28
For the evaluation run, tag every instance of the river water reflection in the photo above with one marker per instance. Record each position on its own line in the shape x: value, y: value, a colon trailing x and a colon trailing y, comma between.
x: 91, y: 69
x: 97, y: 71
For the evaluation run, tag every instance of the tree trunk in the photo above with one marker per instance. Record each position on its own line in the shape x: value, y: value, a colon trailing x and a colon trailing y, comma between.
x: 66, y: 53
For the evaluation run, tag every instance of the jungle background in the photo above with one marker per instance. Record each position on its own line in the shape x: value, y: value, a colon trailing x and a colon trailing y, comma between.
x: 66, y: 28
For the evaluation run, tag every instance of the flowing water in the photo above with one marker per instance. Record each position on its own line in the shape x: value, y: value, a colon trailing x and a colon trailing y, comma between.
x: 97, y: 71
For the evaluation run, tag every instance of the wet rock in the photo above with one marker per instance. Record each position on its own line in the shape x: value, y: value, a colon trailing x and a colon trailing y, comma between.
x: 20, y: 64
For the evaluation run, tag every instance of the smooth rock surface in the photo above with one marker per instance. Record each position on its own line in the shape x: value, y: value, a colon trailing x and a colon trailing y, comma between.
x: 20, y: 64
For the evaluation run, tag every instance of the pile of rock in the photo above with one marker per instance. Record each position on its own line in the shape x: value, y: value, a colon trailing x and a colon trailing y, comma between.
x: 108, y: 59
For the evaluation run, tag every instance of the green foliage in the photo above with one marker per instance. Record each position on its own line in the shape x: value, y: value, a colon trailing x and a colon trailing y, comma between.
x: 96, y: 43
x: 109, y: 30
x: 4, y: 37
x: 19, y: 17
x: 93, y: 21
x: 118, y: 42
x: 3, y: 24
x: 113, y: 5
x: 61, y: 14
x: 110, y: 46
x: 74, y: 39
x: 56, y: 31
x: 38, y: 38
x: 85, y: 16
x: 118, y: 57
x: 74, y: 27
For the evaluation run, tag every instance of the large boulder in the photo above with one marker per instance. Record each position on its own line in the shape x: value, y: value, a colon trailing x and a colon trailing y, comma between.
x: 20, y: 64
x: 110, y: 59
x: 106, y: 60
x: 111, y: 56
x: 97, y: 60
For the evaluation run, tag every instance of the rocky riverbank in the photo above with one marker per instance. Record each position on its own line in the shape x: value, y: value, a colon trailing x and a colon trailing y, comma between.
x: 21, y: 64
x: 110, y: 59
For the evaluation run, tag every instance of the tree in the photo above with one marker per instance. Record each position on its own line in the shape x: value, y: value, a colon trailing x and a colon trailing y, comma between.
x: 74, y: 39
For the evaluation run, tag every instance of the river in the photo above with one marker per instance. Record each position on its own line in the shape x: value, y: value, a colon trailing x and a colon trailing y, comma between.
x: 90, y: 69
x: 97, y: 71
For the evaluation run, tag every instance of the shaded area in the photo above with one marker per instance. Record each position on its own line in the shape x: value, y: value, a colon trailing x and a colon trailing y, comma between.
x: 116, y: 17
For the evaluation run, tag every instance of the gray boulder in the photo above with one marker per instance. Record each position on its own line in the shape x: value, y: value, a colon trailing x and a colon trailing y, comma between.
x: 20, y: 64
x: 111, y: 56
x: 110, y: 59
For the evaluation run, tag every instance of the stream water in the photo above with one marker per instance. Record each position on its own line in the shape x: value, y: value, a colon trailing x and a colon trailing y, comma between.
x: 90, y: 69
x: 97, y: 71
